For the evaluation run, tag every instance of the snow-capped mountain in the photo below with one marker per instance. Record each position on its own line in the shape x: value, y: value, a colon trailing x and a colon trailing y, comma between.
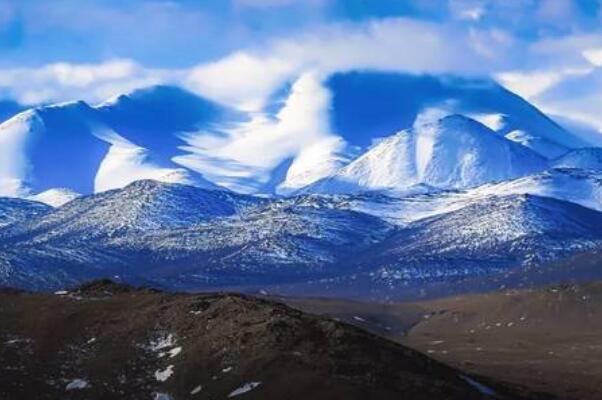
x: 157, y: 186
x: 55, y: 197
x: 369, y: 104
x: 542, y: 145
x: 156, y: 235
x: 314, y: 127
x: 50, y: 147
x: 583, y: 187
x: 284, y: 240
x: 184, y: 236
x: 452, y: 153
x: 84, y: 149
x: 487, y: 236
x: 140, y: 207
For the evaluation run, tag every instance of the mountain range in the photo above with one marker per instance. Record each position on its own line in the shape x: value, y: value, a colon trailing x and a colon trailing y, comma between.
x: 360, y: 179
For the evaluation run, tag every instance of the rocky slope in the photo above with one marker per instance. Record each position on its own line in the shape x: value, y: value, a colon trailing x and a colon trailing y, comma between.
x: 488, y: 235
x: 367, y: 245
x: 17, y: 210
x: 108, y: 341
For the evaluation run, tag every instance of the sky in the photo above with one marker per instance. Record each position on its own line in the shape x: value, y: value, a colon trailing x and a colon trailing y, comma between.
x: 239, y: 51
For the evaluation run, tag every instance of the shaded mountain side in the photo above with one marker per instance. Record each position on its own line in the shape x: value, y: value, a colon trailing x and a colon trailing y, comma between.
x: 366, y: 101
x: 179, y: 237
x: 110, y: 341
x: 188, y: 239
x: 141, y: 206
x: 490, y: 233
x: 13, y: 210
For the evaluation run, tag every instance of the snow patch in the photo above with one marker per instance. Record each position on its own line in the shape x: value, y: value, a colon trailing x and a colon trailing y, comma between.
x: 77, y: 384
x: 247, y: 387
x: 174, y: 352
x: 55, y: 197
x: 163, y: 375
x: 162, y: 342
x: 162, y: 396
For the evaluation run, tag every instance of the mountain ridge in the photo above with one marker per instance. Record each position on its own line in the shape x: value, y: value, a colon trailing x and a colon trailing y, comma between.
x: 454, y: 152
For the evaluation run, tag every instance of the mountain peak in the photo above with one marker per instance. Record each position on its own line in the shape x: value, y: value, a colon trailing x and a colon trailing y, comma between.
x: 453, y: 152
x: 157, y: 93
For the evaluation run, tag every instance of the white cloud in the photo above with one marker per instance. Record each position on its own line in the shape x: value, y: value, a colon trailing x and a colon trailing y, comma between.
x: 264, y: 142
x: 529, y: 84
x: 594, y: 56
x: 84, y: 75
x: 273, y: 3
x: 403, y: 44
x: 240, y: 79
x: 470, y: 10
x: 65, y: 81
x: 247, y: 77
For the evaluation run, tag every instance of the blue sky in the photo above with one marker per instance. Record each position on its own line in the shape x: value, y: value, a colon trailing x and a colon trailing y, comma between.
x: 238, y: 51
x: 179, y: 33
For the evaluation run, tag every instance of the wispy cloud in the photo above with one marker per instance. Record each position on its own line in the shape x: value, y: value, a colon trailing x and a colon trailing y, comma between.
x: 398, y: 44
x: 67, y: 81
x: 532, y: 46
x: 246, y: 78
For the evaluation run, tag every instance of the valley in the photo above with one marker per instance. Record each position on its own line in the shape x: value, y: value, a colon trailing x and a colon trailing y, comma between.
x: 544, y: 340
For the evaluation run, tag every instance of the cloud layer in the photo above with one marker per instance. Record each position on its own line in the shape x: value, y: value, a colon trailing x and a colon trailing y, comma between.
x: 240, y: 51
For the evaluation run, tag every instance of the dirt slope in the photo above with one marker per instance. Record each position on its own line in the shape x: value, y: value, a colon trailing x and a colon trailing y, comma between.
x: 106, y: 341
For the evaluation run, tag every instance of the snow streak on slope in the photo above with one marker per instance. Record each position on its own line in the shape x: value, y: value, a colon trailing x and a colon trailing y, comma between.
x: 55, y: 197
x: 126, y: 163
x: 454, y: 152
x: 539, y: 144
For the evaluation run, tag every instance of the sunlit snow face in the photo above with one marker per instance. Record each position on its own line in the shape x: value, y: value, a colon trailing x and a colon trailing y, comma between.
x: 14, y: 166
